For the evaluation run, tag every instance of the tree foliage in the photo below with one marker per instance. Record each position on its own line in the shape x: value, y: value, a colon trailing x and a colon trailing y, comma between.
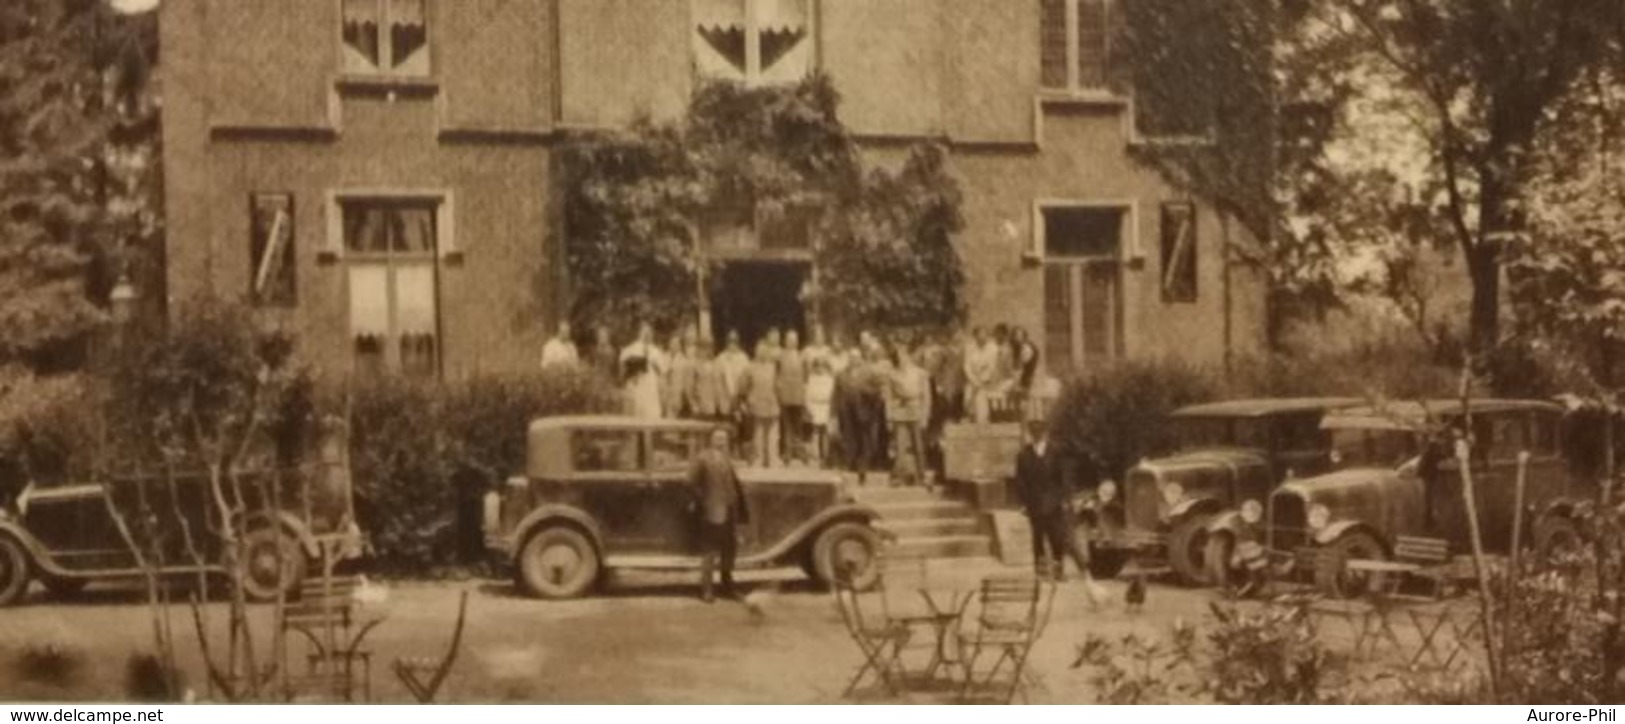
x: 639, y: 204
x: 77, y: 170
x: 1238, y: 110
x: 1475, y: 82
x: 1568, y: 266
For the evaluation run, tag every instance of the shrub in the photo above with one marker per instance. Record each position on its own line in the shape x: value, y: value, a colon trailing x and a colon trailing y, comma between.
x: 422, y: 454
x: 1116, y: 416
x: 48, y: 664
x: 1270, y: 656
x: 1385, y: 370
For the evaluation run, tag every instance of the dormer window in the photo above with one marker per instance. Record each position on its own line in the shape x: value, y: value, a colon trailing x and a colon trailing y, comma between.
x: 753, y: 41
x: 386, y: 37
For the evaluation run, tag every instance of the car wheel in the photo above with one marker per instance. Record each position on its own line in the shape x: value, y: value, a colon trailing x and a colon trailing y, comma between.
x: 850, y: 547
x: 1216, y: 554
x: 1557, y: 540
x: 13, y: 571
x: 272, y: 562
x: 1332, y: 575
x: 558, y: 562
x: 65, y: 587
x: 1106, y: 562
x: 1185, y: 545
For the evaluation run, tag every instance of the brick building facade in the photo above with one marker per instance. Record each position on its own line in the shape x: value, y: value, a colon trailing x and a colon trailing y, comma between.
x: 379, y: 174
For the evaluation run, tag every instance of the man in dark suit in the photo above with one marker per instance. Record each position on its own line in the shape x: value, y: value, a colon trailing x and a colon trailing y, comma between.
x: 721, y: 509
x: 1044, y: 485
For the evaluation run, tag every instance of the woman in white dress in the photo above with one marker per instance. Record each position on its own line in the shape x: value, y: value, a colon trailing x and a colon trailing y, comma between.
x: 643, y: 365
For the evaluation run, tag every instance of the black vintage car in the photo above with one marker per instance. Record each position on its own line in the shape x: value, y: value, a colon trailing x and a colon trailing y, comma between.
x: 607, y: 492
x: 1226, y: 453
x: 1398, y: 476
x: 70, y: 534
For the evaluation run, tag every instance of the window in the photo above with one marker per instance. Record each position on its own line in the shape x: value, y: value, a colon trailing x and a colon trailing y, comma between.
x: 394, y: 310
x: 386, y: 37
x: 270, y: 250
x: 1082, y: 232
x: 753, y: 41
x: 1178, y: 252
x: 1081, y: 248
x: 606, y: 451
x: 674, y: 450
x: 1075, y: 44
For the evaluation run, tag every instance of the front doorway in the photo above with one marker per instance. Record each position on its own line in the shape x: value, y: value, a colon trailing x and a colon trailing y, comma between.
x: 751, y: 297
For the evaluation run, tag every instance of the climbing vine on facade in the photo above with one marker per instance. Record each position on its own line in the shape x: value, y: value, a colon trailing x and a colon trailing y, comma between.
x: 640, y: 203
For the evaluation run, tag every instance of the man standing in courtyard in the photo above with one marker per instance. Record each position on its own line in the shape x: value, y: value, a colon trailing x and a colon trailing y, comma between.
x: 1044, y: 484
x: 722, y: 509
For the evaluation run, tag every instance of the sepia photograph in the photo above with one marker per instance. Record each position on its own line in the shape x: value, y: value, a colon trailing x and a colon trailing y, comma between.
x: 812, y: 352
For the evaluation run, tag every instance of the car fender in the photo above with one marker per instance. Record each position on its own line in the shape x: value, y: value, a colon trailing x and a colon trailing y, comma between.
x: 1336, y: 529
x: 38, y: 556
x: 1228, y: 521
x: 1192, y: 506
x: 804, y: 534
x: 553, y: 514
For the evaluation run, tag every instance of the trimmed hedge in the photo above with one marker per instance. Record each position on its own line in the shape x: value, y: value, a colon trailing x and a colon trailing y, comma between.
x: 423, y: 454
x: 1115, y: 417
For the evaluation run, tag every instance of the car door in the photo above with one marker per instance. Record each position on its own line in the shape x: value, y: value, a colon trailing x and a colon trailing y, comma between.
x: 614, y: 483
x: 672, y: 509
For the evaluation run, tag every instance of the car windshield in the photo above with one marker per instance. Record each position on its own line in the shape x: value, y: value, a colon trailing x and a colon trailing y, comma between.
x: 1373, y: 447
x: 1197, y: 432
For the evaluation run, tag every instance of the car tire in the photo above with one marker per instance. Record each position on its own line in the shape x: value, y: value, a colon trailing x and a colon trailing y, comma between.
x: 1331, y: 574
x: 273, y: 562
x: 1556, y: 539
x: 1106, y: 563
x: 14, y: 571
x: 1185, y: 546
x: 848, y: 544
x: 65, y: 587
x: 557, y: 562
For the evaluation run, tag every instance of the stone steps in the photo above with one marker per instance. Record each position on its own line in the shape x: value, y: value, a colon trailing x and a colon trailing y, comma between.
x: 928, y: 525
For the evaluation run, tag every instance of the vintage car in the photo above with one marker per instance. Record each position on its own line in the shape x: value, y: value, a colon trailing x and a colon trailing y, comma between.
x: 70, y: 534
x: 604, y: 492
x: 1398, y: 476
x: 1226, y: 452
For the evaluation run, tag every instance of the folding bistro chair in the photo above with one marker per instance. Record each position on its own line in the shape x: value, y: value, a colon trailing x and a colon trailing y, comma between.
x: 325, y: 615
x: 908, y: 597
x: 1013, y: 614
x: 423, y: 676
x: 880, y: 639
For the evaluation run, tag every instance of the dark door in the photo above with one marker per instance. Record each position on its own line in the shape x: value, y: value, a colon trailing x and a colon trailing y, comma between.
x: 751, y: 297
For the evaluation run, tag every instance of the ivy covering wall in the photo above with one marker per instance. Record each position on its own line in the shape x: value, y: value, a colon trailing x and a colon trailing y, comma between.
x: 638, y: 202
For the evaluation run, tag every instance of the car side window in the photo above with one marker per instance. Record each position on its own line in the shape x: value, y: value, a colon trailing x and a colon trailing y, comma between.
x: 1543, y: 435
x: 1299, y: 433
x: 671, y: 450
x: 1510, y: 435
x: 605, y: 451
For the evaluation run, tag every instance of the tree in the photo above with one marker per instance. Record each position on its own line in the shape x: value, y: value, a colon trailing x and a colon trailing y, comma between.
x: 78, y: 188
x: 1476, y: 80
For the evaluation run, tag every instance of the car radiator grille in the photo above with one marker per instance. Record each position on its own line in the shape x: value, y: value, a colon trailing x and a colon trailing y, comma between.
x: 1142, y: 501
x: 1289, y: 522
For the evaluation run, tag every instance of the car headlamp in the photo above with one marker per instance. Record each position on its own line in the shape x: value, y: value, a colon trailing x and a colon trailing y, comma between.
x: 1106, y: 491
x: 1172, y: 493
x: 1319, y: 516
x: 1251, y: 512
